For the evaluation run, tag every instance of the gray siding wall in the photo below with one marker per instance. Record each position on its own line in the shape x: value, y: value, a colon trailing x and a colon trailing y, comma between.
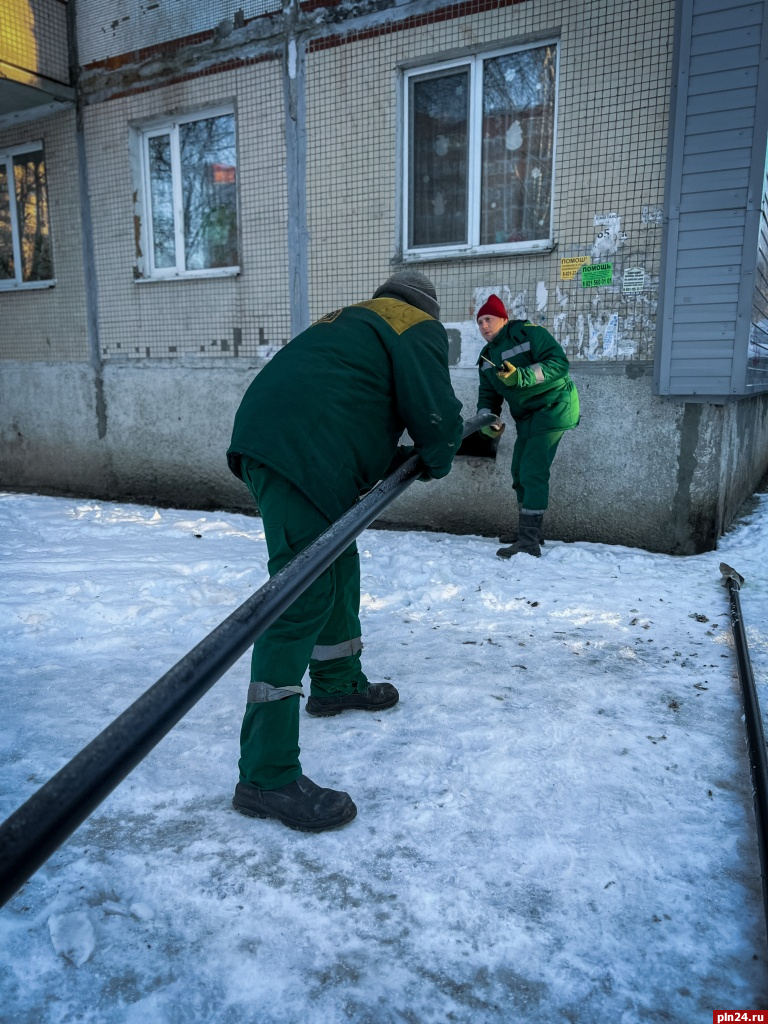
x: 714, y: 191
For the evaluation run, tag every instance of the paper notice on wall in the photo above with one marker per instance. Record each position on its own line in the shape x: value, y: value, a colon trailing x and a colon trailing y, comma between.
x: 610, y: 337
x: 632, y: 280
x: 596, y: 275
x: 570, y: 266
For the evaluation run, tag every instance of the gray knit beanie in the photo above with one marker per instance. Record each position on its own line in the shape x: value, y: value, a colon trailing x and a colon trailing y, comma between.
x: 412, y: 287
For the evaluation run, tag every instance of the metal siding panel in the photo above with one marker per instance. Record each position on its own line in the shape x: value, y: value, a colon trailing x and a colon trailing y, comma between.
x: 739, y: 59
x: 727, y: 18
x: 726, y: 218
x: 721, y: 157
x: 696, y: 340
x: 729, y: 99
x: 722, y: 81
x: 716, y: 181
x: 710, y: 6
x: 701, y: 370
x: 703, y: 257
x: 723, y: 312
x: 683, y: 386
x: 721, y: 276
x: 719, y: 56
x: 717, y: 120
x: 717, y: 139
x: 706, y: 296
x: 716, y: 42
x: 697, y: 202
x: 704, y: 240
x: 690, y: 383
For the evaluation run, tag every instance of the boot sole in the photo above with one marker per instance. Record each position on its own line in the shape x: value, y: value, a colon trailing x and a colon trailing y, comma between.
x: 350, y: 707
x: 299, y: 826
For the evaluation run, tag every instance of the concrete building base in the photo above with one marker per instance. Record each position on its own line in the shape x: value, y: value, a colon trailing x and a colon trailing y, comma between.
x: 640, y: 470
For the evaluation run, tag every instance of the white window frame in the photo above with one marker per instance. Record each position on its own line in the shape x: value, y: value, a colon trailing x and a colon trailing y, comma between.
x: 170, y: 126
x: 474, y: 62
x: 6, y: 157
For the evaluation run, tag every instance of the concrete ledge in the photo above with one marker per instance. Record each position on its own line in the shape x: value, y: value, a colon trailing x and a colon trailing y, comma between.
x: 639, y: 470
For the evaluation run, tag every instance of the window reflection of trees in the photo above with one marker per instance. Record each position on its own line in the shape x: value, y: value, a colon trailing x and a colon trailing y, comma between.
x: 32, y: 221
x: 7, y: 263
x: 517, y: 146
x: 438, y: 190
x: 205, y: 157
x: 512, y: 148
x: 208, y: 169
x: 161, y: 190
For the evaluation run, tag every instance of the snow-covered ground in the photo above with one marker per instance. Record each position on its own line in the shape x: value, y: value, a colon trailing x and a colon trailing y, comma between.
x: 554, y: 824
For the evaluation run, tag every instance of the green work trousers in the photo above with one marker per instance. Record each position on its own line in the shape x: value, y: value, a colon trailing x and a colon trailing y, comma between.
x: 320, y: 631
x: 531, y: 462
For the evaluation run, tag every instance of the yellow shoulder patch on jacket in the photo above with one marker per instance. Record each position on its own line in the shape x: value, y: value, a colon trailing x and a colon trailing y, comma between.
x: 399, y: 315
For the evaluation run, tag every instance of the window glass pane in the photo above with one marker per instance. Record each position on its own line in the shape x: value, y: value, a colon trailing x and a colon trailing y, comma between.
x: 32, y: 211
x: 757, y: 353
x: 209, y: 184
x: 7, y: 269
x: 437, y: 199
x: 161, y: 199
x: 517, y: 147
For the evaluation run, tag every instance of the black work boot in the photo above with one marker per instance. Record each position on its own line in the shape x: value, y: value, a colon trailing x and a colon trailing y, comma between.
x: 510, y: 536
x: 301, y: 805
x: 378, y: 697
x: 528, y: 534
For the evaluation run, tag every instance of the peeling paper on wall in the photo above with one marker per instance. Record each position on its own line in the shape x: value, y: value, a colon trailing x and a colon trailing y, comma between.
x: 604, y: 337
x: 610, y: 237
x: 518, y: 307
x: 471, y: 342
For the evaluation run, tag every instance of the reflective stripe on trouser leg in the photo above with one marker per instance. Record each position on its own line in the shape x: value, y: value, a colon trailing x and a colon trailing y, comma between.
x: 335, y: 664
x: 531, y: 462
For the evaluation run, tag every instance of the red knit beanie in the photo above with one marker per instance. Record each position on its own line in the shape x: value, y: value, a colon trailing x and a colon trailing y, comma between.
x: 493, y: 306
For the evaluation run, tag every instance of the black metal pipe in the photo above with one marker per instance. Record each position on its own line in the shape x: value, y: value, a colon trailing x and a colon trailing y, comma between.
x: 758, y: 760
x: 33, y: 832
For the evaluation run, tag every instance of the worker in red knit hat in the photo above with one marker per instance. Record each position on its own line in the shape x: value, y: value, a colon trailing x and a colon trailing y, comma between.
x: 523, y: 365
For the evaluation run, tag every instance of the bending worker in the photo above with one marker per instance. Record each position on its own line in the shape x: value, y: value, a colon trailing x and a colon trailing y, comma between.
x: 318, y: 426
x: 523, y: 365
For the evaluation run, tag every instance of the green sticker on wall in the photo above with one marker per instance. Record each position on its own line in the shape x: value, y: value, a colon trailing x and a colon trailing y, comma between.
x: 596, y: 274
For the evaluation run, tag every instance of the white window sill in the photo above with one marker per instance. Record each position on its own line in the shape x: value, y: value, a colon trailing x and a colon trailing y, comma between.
x: 27, y: 286
x: 191, y: 275
x: 475, y: 252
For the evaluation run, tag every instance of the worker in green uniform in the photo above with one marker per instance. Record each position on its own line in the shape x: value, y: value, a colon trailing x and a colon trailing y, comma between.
x: 523, y: 365
x: 318, y: 426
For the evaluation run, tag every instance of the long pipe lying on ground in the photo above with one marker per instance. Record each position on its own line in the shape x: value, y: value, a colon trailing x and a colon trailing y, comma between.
x: 758, y: 761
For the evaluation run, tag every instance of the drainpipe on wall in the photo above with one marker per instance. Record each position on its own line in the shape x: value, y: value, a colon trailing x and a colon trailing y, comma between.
x: 295, y: 167
x: 89, y: 265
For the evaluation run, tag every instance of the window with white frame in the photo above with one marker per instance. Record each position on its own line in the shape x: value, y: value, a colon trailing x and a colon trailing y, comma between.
x: 25, y: 231
x: 479, y: 153
x: 189, y: 169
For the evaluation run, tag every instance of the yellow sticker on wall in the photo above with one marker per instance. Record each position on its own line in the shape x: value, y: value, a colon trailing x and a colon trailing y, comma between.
x: 569, y: 267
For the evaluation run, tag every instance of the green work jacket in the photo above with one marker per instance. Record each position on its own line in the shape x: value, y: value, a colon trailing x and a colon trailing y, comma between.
x: 545, y: 397
x: 327, y: 411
